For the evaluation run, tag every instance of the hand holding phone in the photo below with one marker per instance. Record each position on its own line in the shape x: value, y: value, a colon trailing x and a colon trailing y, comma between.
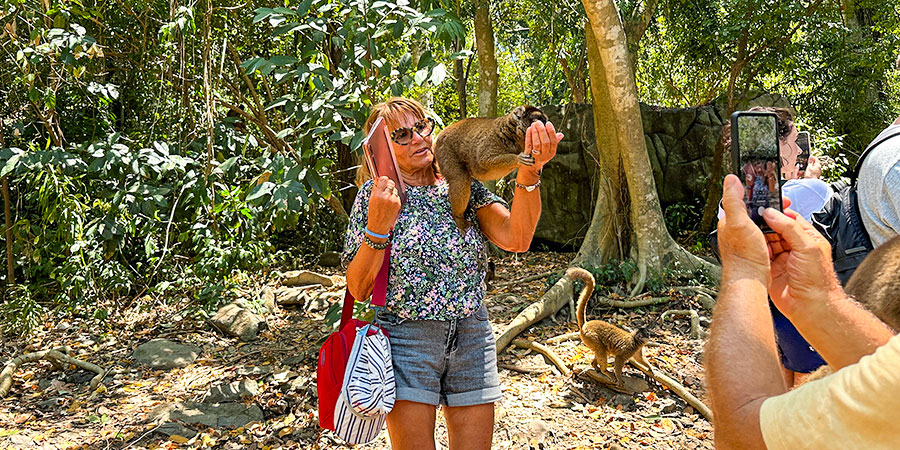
x: 380, y: 158
x: 757, y: 159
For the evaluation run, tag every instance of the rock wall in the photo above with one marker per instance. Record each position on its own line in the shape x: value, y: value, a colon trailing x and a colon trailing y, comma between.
x: 680, y: 144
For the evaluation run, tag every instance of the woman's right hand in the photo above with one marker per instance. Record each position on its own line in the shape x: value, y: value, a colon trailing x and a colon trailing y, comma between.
x: 384, y: 206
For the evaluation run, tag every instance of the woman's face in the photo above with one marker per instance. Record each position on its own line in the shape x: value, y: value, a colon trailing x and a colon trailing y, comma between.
x: 417, y: 154
x: 789, y: 153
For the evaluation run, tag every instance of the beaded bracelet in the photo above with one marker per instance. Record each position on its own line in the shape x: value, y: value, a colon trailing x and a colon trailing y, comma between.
x: 528, y: 188
x: 374, y: 245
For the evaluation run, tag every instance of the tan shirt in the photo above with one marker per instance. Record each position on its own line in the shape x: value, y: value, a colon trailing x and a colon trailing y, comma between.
x: 855, y: 408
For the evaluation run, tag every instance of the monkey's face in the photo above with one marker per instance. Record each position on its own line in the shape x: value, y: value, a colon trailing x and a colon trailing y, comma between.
x: 527, y: 115
x: 418, y: 154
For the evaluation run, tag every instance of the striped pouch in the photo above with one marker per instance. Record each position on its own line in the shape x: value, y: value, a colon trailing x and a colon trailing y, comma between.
x: 368, y: 392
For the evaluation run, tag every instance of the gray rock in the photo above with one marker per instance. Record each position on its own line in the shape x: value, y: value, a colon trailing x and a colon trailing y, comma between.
x: 267, y: 297
x: 237, y: 321
x: 330, y: 259
x: 305, y: 277
x: 162, y: 354
x: 623, y: 399
x: 292, y: 296
x: 210, y: 414
x: 282, y: 377
x: 231, y: 392
x: 172, y: 428
x: 293, y: 360
x: 668, y: 406
x: 254, y: 370
x: 51, y: 403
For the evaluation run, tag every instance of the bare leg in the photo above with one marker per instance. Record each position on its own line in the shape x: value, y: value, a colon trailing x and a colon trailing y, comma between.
x: 470, y: 427
x: 411, y: 425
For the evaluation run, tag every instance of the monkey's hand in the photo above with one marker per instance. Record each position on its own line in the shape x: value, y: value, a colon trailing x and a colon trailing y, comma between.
x: 525, y: 159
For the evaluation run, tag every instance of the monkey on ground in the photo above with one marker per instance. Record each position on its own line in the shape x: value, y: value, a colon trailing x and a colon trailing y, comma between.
x: 604, y: 338
x: 482, y: 148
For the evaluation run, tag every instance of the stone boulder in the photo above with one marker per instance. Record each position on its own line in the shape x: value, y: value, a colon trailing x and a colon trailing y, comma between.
x: 235, y: 320
x: 231, y: 392
x: 215, y: 415
x: 305, y: 277
x: 162, y: 354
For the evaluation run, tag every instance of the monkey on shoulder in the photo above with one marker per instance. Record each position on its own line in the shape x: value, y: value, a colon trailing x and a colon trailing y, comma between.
x: 482, y: 148
x: 604, y: 338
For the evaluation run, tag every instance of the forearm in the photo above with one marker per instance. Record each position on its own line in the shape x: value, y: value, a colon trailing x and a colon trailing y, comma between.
x: 363, y: 269
x: 525, y: 210
x: 841, y: 330
x: 741, y: 362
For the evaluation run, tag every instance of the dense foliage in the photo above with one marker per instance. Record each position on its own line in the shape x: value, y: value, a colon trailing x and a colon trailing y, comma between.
x: 165, y: 148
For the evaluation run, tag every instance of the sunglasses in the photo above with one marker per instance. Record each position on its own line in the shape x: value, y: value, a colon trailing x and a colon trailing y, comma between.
x: 404, y: 136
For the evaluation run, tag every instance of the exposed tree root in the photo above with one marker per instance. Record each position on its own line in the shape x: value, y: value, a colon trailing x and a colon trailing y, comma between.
x: 544, y: 350
x: 675, y: 387
x: 550, y: 303
x: 695, y: 319
x: 527, y: 279
x: 528, y: 370
x: 58, y: 357
x: 605, y: 301
x: 564, y: 337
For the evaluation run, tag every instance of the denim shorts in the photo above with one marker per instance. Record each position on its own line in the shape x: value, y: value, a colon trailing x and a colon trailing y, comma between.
x: 444, y: 362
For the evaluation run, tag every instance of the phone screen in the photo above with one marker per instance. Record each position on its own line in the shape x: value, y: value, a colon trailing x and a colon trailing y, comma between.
x: 380, y: 157
x: 804, y: 141
x: 757, y: 158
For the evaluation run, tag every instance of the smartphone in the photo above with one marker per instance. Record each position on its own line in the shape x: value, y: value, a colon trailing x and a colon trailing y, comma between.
x: 804, y: 141
x: 757, y: 160
x: 380, y: 158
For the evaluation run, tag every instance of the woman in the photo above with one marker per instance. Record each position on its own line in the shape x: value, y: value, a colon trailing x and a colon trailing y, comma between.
x: 441, y: 342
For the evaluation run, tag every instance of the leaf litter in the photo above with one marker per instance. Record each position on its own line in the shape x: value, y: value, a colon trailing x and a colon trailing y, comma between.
x: 541, y: 409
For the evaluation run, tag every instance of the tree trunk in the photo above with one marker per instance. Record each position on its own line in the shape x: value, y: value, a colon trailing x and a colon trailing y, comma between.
x: 460, y: 73
x: 653, y: 248
x: 7, y: 215
x: 607, y: 236
x: 487, y: 60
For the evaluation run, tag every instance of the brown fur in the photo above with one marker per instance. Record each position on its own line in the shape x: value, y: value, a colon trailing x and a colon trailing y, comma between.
x: 481, y: 148
x: 604, y: 338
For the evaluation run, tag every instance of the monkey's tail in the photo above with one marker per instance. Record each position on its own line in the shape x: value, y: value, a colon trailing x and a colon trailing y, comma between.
x: 588, y: 279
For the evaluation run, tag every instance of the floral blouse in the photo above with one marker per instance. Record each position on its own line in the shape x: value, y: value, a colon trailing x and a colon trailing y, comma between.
x: 435, y: 272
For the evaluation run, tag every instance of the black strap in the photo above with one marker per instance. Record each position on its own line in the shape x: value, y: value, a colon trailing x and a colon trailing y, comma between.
x: 878, y: 141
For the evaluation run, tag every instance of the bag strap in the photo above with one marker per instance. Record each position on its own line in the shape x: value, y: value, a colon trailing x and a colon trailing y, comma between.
x: 379, y: 291
x: 878, y: 141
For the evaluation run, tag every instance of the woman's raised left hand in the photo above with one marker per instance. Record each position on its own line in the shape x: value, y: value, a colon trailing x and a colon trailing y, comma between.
x: 541, y: 141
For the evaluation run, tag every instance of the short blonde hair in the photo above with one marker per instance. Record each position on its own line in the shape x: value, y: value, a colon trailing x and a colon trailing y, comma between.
x: 392, y: 110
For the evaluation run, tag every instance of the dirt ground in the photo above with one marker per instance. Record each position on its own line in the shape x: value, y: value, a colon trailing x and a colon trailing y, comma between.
x: 541, y: 409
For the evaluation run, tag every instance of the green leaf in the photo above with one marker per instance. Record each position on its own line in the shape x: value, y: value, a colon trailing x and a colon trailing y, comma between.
x: 438, y: 74
x: 318, y: 184
x: 261, y: 190
x: 10, y: 165
x: 421, y: 76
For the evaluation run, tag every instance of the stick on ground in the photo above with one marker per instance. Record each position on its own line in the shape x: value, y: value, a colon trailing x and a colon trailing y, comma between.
x: 550, y: 303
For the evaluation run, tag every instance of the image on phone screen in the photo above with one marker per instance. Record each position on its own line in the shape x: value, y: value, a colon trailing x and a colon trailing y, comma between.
x: 758, y: 162
x: 804, y: 141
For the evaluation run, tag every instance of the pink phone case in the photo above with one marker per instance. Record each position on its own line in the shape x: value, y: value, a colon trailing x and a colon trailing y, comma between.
x: 380, y: 158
